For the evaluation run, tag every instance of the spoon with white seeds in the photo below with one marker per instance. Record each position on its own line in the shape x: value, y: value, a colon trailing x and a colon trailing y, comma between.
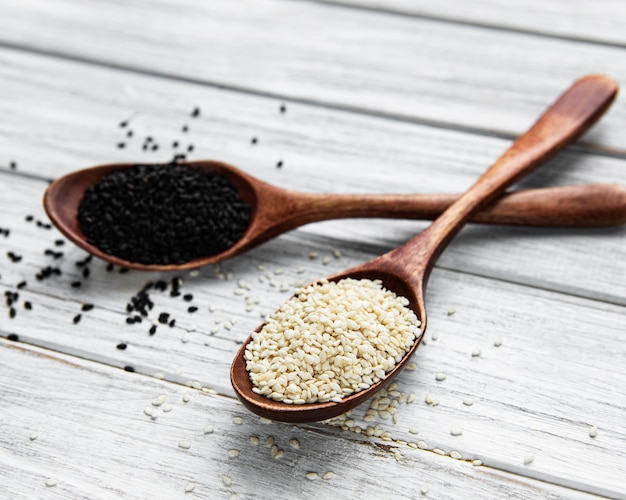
x: 312, y: 361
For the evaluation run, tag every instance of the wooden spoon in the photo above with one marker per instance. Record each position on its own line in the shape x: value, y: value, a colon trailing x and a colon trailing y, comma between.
x: 276, y: 210
x: 406, y: 269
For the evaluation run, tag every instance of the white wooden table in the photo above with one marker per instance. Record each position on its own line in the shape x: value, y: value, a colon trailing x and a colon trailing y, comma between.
x: 529, y: 325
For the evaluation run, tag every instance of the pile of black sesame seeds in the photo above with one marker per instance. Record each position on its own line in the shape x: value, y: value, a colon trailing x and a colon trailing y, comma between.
x: 163, y: 214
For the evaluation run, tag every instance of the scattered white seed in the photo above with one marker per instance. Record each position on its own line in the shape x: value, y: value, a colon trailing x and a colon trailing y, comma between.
x: 189, y: 487
x: 233, y: 453
x: 424, y: 489
x: 184, y: 444
x: 264, y: 420
x: 455, y: 431
x: 422, y: 445
x: 451, y: 311
x: 301, y: 270
x: 269, y: 442
x: 196, y: 385
x: 254, y: 440
x: 233, y: 496
x: 325, y: 260
x: 477, y: 462
x: 34, y: 436
x: 440, y: 376
x: 186, y: 397
x: 431, y: 400
x: 185, y: 338
x: 410, y: 398
x: 411, y: 366
x: 529, y: 459
x: 397, y: 454
x: 476, y: 352
x: 194, y: 273
x: 167, y: 408
x: 209, y: 429
x: 239, y: 291
x: 159, y: 376
x: 148, y: 410
x: 439, y: 451
x: 211, y: 308
x: 278, y: 454
x: 497, y: 342
x: 311, y: 476
x: 159, y: 400
x: 50, y: 482
x: 468, y: 401
x: 336, y: 253
x: 328, y: 475
x: 434, y: 336
x: 237, y: 420
x: 226, y: 480
x: 313, y: 255
x: 593, y: 432
x: 261, y: 267
x: 294, y: 443
x: 274, y: 450
x: 456, y: 455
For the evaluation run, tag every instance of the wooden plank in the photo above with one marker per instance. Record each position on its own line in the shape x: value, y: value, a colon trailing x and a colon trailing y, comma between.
x: 587, y: 20
x: 396, y: 66
x: 321, y: 150
x: 537, y: 393
x: 88, y: 436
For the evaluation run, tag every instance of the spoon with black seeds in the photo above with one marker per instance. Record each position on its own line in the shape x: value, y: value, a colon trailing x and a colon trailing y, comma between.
x: 406, y: 269
x: 197, y: 213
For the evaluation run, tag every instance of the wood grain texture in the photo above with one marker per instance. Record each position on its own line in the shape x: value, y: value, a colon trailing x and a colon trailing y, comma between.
x: 586, y: 20
x: 112, y: 449
x: 321, y: 149
x: 406, y: 68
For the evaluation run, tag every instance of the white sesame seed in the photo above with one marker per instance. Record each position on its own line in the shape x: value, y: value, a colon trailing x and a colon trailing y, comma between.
x: 167, y: 408
x: 529, y: 459
x: 468, y: 401
x: 278, y: 454
x: 431, y: 400
x: 254, y: 440
x: 237, y: 420
x: 455, y: 431
x: 336, y: 253
x: 159, y: 400
x: 294, y: 443
x: 593, y: 432
x: 148, y: 410
x: 477, y: 462
x: 264, y: 420
x: 497, y: 342
x: 422, y: 445
x: 439, y: 451
x: 194, y: 272
x: 451, y: 311
x: 424, y: 489
x: 50, y: 482
x: 184, y: 444
x: 328, y: 475
x: 34, y: 436
x: 189, y: 487
x: 185, y: 338
x: 325, y: 260
x: 313, y: 255
x: 411, y: 366
x: 159, y: 376
x: 196, y: 385
x: 397, y: 454
x: 233, y: 496
x: 311, y: 476
x: 410, y: 398
x: 186, y: 397
x: 414, y: 430
x: 456, y: 455
x: 261, y: 267
x: 226, y: 480
x: 434, y: 336
x: 233, y: 453
x: 476, y: 352
x: 209, y: 429
x: 440, y: 376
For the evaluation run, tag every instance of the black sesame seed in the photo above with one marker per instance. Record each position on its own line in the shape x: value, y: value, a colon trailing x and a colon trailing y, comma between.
x: 152, y: 330
x: 13, y: 337
x: 12, y: 312
x: 59, y: 243
x: 129, y: 368
x: 283, y: 108
x: 86, y: 272
x: 28, y: 306
x: 76, y: 284
x: 279, y: 164
x: 121, y: 145
x: 121, y: 346
x: 77, y: 318
x: 164, y: 317
x: 123, y: 270
x: 123, y: 124
x: 192, y: 309
x: 130, y: 320
x: 185, y: 128
x: 190, y: 148
x: 174, y: 293
x: 29, y: 218
x: 172, y: 323
x: 154, y: 147
x: 196, y: 112
x: 20, y: 285
x: 109, y: 267
x: 175, y: 144
x: 188, y: 297
x: 129, y: 133
x: 254, y: 140
x: 13, y: 165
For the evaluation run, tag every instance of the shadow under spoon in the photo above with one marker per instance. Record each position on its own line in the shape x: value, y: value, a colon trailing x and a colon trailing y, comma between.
x: 405, y: 270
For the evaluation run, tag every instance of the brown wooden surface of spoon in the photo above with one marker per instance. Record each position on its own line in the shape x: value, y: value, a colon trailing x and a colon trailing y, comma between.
x: 406, y: 269
x: 276, y: 210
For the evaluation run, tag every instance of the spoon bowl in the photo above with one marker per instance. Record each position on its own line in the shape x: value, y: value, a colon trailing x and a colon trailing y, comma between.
x: 405, y: 270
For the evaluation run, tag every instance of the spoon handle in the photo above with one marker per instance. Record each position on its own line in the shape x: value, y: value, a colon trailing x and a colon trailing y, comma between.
x: 572, y: 113
x: 587, y: 205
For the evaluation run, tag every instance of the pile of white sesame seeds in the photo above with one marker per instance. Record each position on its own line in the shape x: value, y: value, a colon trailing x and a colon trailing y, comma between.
x: 330, y: 340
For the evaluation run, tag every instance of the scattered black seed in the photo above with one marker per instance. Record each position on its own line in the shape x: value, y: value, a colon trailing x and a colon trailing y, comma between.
x: 152, y: 330
x: 130, y: 320
x: 86, y: 272
x: 175, y: 144
x: 179, y: 157
x: 283, y: 108
x: 21, y: 285
x: 123, y: 270
x: 77, y: 318
x: 144, y: 147
x: 121, y: 346
x: 185, y: 128
x: 13, y: 257
x: 188, y: 297
x: 13, y: 337
x: 85, y: 261
x: 86, y: 307
x: 5, y: 232
x: 12, y: 312
x: 172, y: 323
x: 28, y: 306
x: 164, y: 317
x: 121, y: 145
x: 13, y: 165
x: 161, y: 285
x: 163, y: 214
x: 149, y: 139
x: 123, y: 124
x: 196, y: 112
x: 129, y: 133
x: 59, y: 243
x: 192, y: 309
x: 254, y: 140
x: 129, y: 368
x: 29, y: 218
x: 154, y: 147
x: 190, y: 148
x: 174, y: 293
x: 109, y: 267
x: 76, y: 284
x: 279, y: 164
